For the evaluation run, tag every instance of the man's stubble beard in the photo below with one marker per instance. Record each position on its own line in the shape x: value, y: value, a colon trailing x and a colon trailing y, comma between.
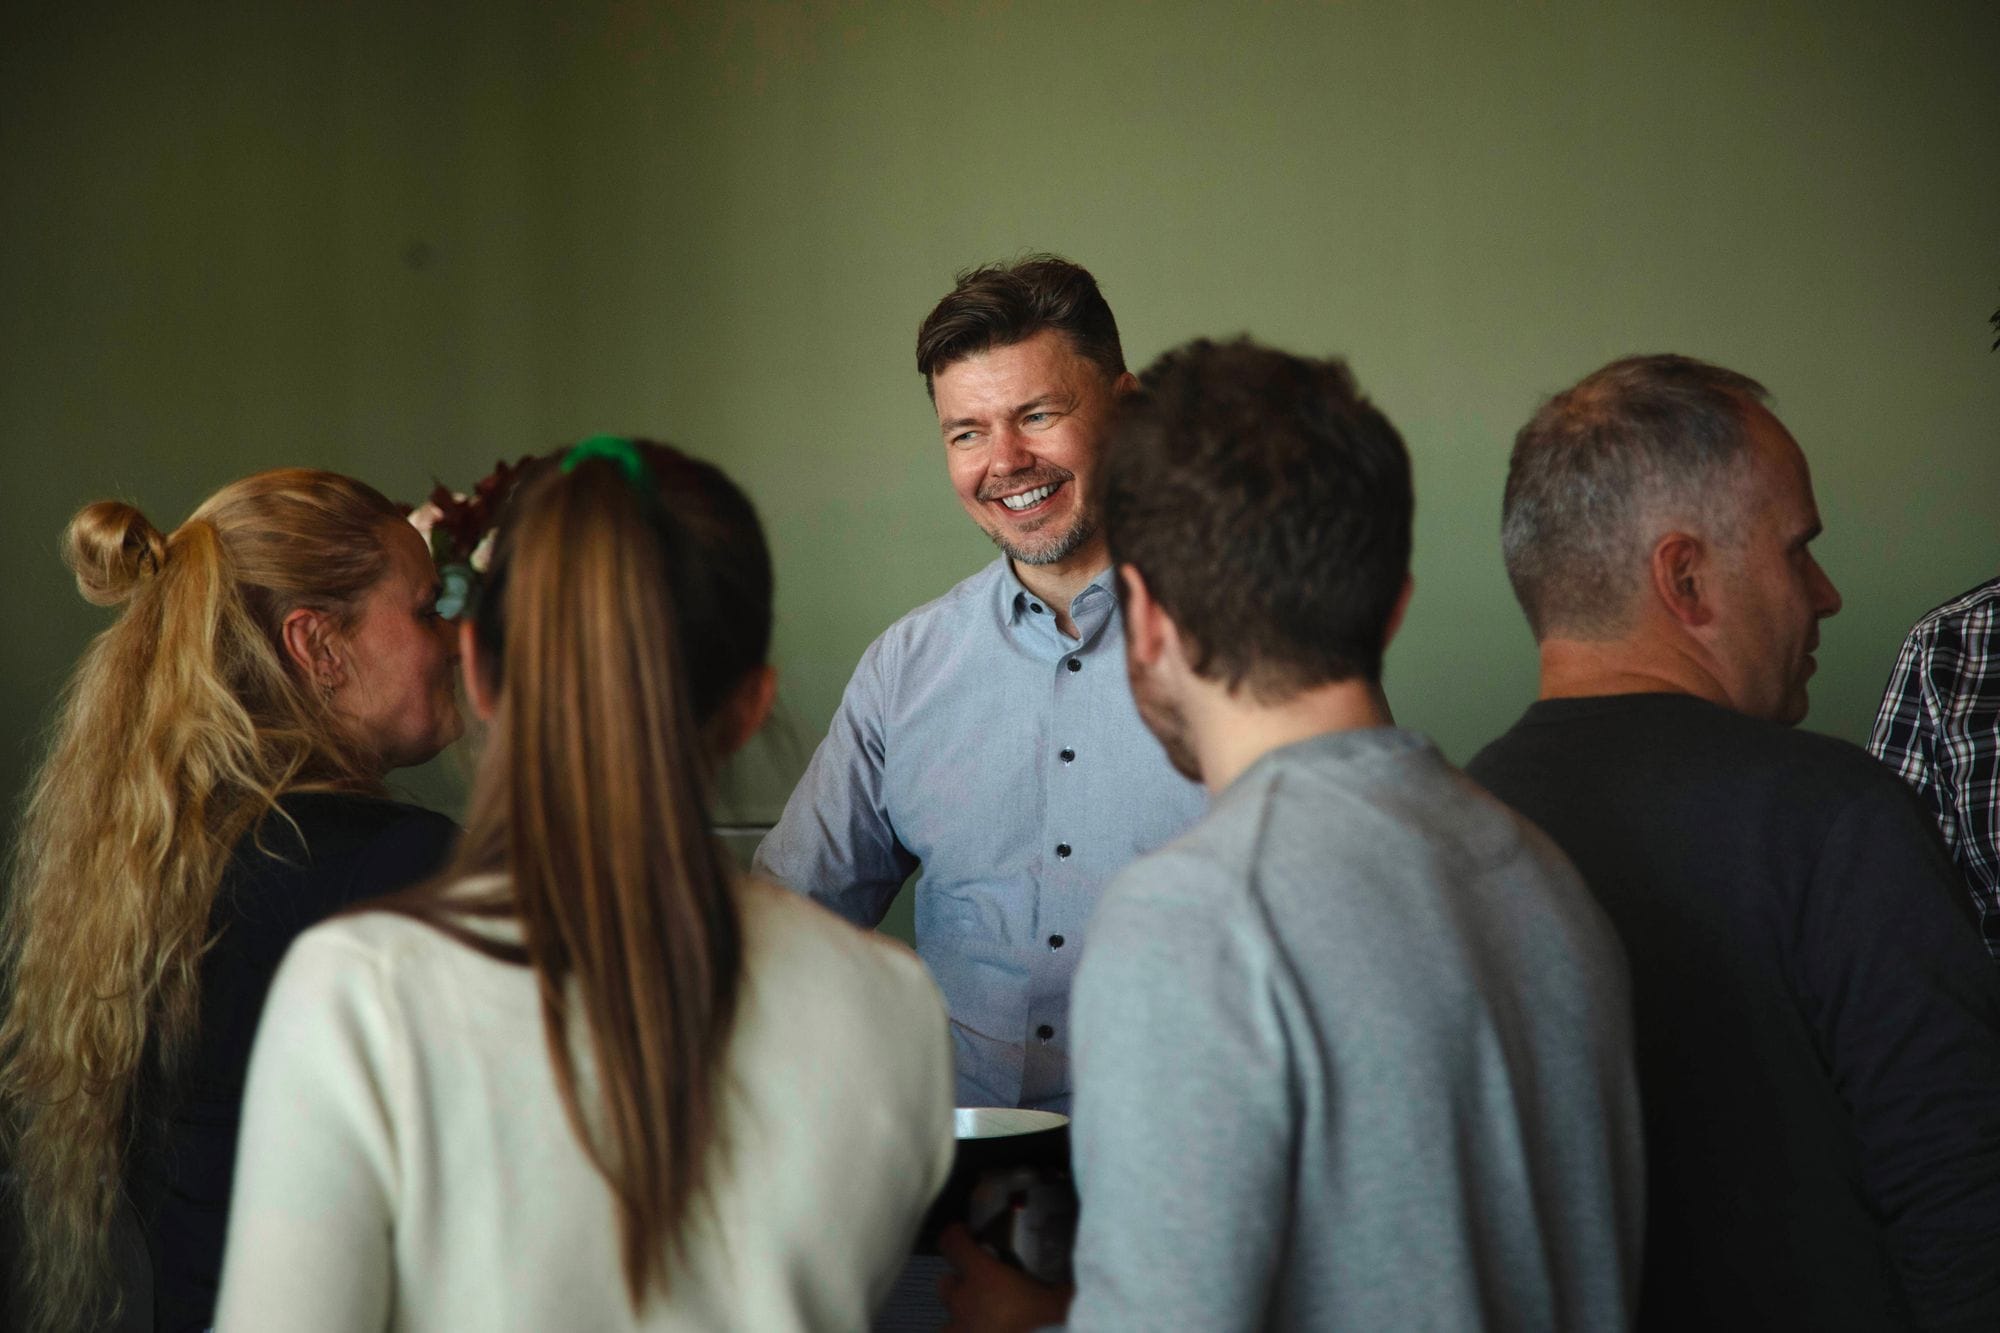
x: 1043, y: 550
x: 1164, y: 718
x: 1050, y: 550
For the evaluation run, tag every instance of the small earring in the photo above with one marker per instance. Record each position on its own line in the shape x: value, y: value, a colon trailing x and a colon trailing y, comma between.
x: 326, y: 693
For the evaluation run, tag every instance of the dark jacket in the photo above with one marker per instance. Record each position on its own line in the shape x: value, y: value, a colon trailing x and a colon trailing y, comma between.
x: 281, y: 880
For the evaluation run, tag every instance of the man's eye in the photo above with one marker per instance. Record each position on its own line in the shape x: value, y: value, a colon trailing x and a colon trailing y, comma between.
x: 1038, y: 416
x: 963, y: 437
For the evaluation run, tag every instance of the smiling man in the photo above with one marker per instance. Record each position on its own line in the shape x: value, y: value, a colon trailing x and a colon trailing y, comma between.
x: 989, y: 738
x: 1353, y: 1053
x: 1818, y: 1028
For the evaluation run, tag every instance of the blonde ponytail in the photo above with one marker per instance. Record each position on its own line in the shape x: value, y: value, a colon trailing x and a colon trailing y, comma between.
x: 179, y: 730
x: 110, y: 547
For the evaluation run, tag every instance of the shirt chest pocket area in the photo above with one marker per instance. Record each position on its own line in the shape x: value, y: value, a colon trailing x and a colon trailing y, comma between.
x: 970, y: 808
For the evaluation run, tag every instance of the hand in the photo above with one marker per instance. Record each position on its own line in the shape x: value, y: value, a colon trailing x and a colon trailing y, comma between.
x: 987, y: 1296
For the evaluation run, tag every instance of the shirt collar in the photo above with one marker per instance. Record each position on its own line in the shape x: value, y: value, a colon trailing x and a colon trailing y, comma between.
x: 1016, y: 601
x: 1089, y: 610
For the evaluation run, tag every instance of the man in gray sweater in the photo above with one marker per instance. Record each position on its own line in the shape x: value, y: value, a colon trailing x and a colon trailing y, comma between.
x: 1355, y: 1051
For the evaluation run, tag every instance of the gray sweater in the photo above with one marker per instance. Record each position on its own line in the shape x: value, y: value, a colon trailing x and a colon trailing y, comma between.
x: 1355, y: 1053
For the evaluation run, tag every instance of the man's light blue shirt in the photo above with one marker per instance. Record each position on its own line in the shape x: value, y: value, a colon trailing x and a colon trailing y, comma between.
x: 979, y: 742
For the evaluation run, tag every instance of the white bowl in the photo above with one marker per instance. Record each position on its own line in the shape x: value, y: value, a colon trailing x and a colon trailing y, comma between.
x: 1000, y: 1122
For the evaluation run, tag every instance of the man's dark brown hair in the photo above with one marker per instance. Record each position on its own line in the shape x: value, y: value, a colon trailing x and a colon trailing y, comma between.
x: 1268, y: 506
x: 998, y: 305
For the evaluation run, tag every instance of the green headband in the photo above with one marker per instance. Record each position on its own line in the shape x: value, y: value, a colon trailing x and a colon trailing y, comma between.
x: 614, y: 449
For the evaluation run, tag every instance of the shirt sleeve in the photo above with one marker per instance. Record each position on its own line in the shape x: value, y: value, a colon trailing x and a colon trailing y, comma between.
x: 1905, y: 734
x: 1184, y: 1135
x: 1907, y: 1008
x: 835, y: 842
x: 311, y: 1213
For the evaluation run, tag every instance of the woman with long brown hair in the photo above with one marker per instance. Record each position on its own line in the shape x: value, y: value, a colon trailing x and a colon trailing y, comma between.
x: 213, y: 786
x: 593, y: 1078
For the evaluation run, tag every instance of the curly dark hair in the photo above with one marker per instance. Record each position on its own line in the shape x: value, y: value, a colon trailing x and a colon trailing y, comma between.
x: 1268, y: 506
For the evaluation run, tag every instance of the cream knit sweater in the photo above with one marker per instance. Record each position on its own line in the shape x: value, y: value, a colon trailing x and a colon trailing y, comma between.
x: 406, y: 1164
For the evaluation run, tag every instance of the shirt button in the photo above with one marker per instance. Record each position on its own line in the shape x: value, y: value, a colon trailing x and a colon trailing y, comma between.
x: 1045, y: 1032
x: 1055, y: 941
x: 1036, y: 607
x: 1074, y: 664
x: 1062, y: 850
x: 1068, y: 755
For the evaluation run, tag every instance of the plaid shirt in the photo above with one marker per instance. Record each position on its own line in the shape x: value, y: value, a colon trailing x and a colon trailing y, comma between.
x: 1939, y: 728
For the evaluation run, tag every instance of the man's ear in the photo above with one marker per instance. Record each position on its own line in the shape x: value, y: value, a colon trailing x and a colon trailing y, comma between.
x: 478, y: 690
x: 747, y: 709
x: 312, y: 648
x: 1146, y: 625
x: 1126, y: 383
x: 1402, y: 606
x: 1680, y: 575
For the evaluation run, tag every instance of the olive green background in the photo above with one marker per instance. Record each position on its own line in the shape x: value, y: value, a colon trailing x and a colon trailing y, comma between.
x: 406, y: 240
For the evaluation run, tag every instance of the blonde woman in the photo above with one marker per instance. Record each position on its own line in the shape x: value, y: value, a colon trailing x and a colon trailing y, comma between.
x: 592, y: 1078
x: 214, y: 786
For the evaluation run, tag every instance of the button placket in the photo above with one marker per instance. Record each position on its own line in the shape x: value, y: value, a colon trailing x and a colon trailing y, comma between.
x: 1062, y: 905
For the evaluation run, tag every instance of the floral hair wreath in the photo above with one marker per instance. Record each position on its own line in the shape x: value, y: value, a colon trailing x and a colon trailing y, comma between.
x: 458, y: 528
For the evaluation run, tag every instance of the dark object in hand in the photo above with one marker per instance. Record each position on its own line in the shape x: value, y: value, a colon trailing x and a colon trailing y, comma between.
x: 1010, y: 1184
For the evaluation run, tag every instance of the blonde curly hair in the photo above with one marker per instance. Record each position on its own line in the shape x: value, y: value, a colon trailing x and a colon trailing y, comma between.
x: 181, y: 727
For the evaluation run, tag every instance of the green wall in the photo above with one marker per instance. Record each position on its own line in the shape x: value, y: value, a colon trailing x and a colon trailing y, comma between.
x: 404, y: 240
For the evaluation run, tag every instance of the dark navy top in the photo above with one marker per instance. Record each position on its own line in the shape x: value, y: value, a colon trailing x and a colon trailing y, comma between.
x: 344, y: 850
x: 1818, y: 1027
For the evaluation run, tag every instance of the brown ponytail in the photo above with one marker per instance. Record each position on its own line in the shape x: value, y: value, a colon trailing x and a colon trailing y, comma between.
x: 616, y: 625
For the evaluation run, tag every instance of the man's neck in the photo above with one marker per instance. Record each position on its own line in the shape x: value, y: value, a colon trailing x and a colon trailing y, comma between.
x: 1058, y: 584
x: 1588, y: 669
x: 1232, y: 732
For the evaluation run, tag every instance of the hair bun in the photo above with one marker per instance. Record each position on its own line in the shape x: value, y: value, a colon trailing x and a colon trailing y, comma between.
x: 110, y: 547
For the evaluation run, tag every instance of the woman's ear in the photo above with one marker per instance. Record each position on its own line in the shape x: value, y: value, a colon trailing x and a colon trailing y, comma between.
x: 749, y: 707
x: 309, y: 644
x: 478, y: 692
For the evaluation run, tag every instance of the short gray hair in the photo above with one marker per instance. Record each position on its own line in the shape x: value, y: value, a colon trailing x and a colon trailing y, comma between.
x: 1603, y: 468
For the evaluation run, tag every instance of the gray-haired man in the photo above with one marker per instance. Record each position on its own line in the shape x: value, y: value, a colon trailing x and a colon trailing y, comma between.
x: 1819, y: 1029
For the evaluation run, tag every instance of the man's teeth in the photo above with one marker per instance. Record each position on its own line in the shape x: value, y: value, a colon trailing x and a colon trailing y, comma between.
x: 1028, y: 498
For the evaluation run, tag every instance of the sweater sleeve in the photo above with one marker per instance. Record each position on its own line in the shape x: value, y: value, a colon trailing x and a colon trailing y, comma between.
x: 1184, y: 1137
x: 1907, y: 1008
x: 310, y: 1217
